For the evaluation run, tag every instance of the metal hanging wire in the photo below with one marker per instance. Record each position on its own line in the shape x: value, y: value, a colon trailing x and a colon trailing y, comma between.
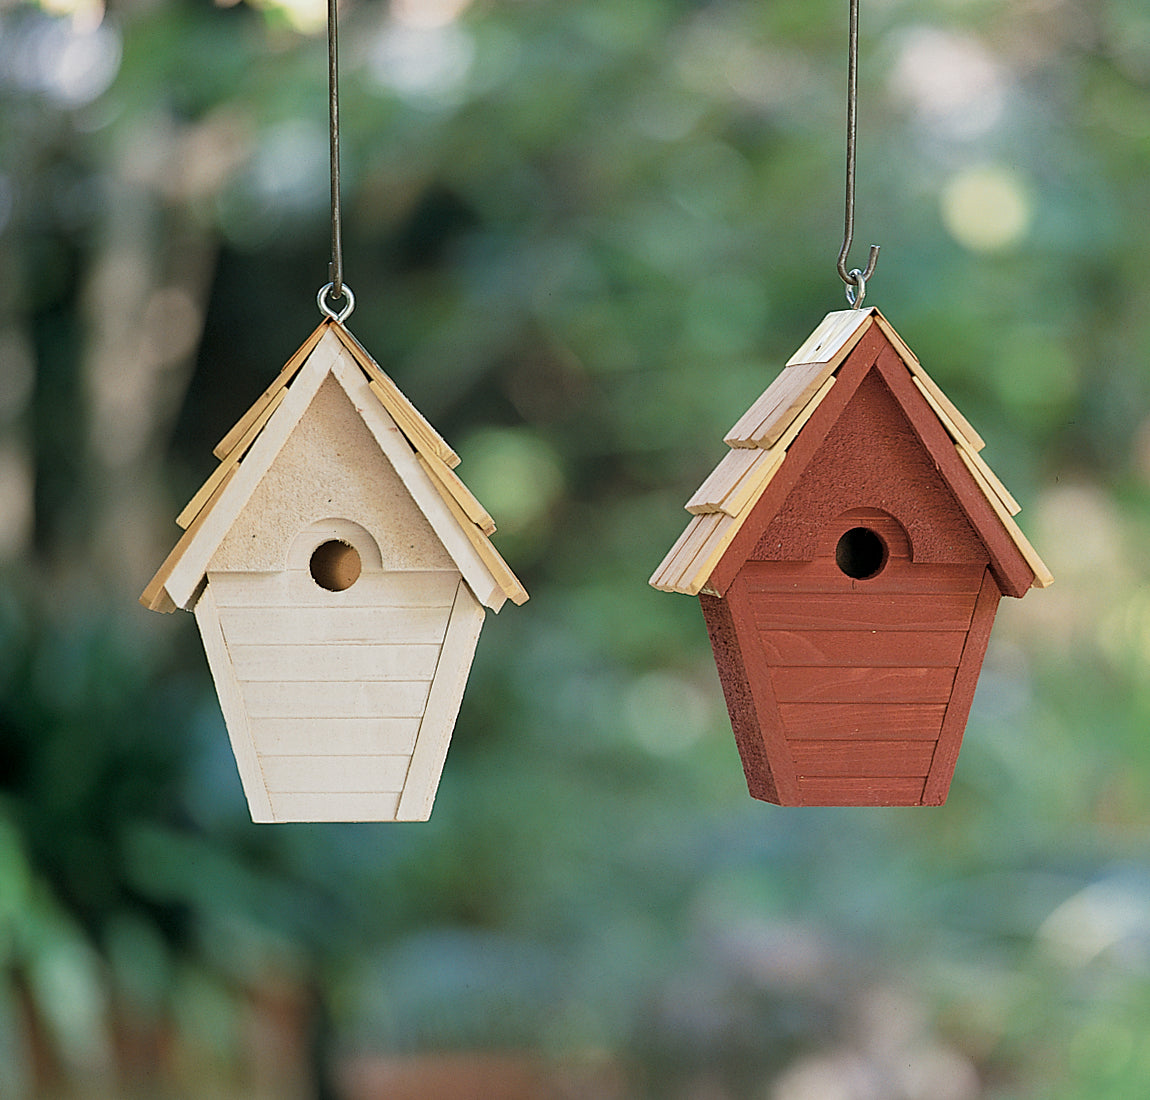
x: 855, y: 279
x: 336, y: 288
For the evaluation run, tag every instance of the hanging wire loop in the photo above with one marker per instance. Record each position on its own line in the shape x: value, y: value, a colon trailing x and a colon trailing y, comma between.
x: 336, y: 288
x: 855, y: 279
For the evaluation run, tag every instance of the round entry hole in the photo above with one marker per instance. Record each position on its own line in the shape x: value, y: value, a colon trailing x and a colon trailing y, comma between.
x: 335, y: 565
x: 860, y: 553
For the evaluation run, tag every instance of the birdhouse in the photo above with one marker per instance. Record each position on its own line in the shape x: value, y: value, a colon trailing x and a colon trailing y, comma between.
x: 339, y: 571
x: 849, y: 553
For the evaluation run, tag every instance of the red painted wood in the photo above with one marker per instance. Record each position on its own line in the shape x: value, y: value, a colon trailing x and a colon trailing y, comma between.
x: 758, y: 678
x: 862, y: 685
x: 799, y: 454
x: 862, y: 758
x: 965, y: 681
x: 872, y: 457
x: 1014, y: 575
x: 864, y: 647
x: 860, y: 611
x: 922, y: 721
x: 823, y: 575
x: 745, y: 719
x: 819, y: 791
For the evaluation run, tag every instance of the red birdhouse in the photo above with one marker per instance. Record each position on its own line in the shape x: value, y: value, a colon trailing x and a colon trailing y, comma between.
x: 849, y: 553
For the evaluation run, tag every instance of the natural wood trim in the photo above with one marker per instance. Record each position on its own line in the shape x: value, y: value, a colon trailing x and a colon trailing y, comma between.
x: 1043, y: 578
x: 449, y: 482
x: 286, y: 374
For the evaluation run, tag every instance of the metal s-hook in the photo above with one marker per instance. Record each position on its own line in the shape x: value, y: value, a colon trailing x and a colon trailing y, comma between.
x: 855, y: 279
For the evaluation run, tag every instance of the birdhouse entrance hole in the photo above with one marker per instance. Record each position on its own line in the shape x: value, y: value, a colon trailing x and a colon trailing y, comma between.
x: 335, y: 565
x: 861, y: 553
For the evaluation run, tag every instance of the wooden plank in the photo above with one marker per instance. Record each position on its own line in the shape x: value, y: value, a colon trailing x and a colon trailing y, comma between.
x: 335, y: 662
x: 316, y: 699
x: 412, y: 422
x: 733, y: 466
x: 322, y: 625
x: 379, y: 806
x: 334, y: 736
x: 155, y: 597
x: 837, y: 791
x: 860, y: 611
x: 232, y: 704
x: 334, y: 774
x: 759, y: 682
x: 752, y: 522
x: 796, y: 386
x: 1043, y: 578
x: 902, y: 578
x: 965, y: 681
x: 286, y: 374
x: 678, y: 562
x: 1010, y: 563
x: 698, y: 572
x: 862, y: 758
x: 295, y: 588
x: 887, y: 721
x: 834, y: 337
x: 973, y: 458
x: 808, y: 684
x: 874, y: 648
x: 960, y: 430
x: 446, y: 480
x: 442, y: 708
x: 739, y: 499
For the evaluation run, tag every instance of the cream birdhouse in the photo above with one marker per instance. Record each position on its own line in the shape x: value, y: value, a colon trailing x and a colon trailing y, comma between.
x: 339, y: 571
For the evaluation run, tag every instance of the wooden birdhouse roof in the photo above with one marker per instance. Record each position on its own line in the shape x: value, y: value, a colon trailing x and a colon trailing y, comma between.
x: 420, y: 457
x: 775, y: 439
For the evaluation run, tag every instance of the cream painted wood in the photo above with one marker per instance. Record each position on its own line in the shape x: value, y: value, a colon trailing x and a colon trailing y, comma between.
x: 231, y: 702
x: 334, y: 736
x: 400, y: 661
x: 295, y: 588
x: 442, y: 708
x: 339, y: 699
x: 333, y: 625
x: 340, y: 806
x: 418, y: 482
x: 314, y: 774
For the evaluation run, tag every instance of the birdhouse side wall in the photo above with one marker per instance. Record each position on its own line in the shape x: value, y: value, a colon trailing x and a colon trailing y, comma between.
x: 330, y: 466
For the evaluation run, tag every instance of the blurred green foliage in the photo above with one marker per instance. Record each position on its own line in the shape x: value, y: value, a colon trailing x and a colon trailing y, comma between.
x: 583, y: 237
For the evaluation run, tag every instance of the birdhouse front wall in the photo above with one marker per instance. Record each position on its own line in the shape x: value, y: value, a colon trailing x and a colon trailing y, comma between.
x: 849, y: 642
x: 339, y: 702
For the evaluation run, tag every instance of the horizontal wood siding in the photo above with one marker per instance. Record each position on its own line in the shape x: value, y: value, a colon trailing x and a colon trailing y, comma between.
x: 335, y: 806
x: 318, y: 699
x: 295, y: 588
x: 925, y: 648
x: 334, y: 736
x: 344, y: 774
x: 862, y: 685
x: 861, y: 791
x: 862, y: 758
x: 862, y: 721
x: 861, y: 611
x: 341, y: 626
x: 900, y: 576
x: 335, y: 662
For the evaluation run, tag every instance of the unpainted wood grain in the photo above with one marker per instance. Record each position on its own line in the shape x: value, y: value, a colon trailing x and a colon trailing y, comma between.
x: 860, y: 791
x: 349, y: 626
x: 334, y: 774
x: 880, y: 721
x: 807, y: 684
x: 342, y: 806
x: 732, y: 468
x: 860, y: 611
x: 834, y: 336
x: 401, y: 661
x: 286, y: 374
x: 334, y: 736
x: 877, y: 648
x: 837, y: 757
x: 448, y: 481
x: 322, y: 699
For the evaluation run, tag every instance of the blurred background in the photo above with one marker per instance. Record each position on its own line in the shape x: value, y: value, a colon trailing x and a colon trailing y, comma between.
x: 583, y: 237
